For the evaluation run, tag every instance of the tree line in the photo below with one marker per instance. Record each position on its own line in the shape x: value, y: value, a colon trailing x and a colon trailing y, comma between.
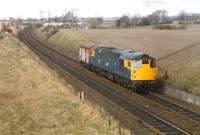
x: 155, y: 18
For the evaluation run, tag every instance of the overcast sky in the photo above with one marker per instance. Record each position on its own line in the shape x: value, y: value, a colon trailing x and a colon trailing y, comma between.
x: 88, y: 8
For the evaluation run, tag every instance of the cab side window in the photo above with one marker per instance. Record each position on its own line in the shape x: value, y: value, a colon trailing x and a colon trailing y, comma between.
x: 129, y: 64
x: 152, y: 63
x: 121, y: 63
x: 145, y: 61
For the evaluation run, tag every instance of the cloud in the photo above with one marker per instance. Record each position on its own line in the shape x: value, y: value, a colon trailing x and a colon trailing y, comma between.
x: 106, y: 8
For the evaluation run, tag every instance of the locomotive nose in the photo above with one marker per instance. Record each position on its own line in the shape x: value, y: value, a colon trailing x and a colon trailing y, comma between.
x: 146, y: 72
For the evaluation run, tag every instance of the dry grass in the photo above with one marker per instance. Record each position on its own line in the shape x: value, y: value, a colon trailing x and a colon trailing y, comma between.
x: 33, y: 101
x: 64, y: 41
x: 186, y: 77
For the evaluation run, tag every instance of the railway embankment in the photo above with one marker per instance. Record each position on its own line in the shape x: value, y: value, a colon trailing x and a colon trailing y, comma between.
x: 34, y: 101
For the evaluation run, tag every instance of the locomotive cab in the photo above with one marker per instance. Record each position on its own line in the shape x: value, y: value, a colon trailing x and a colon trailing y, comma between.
x: 142, y: 70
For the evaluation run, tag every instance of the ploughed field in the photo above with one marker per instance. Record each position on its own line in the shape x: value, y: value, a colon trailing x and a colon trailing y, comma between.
x: 158, y: 43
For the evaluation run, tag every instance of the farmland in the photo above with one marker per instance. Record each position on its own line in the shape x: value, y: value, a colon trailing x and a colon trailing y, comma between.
x: 156, y: 42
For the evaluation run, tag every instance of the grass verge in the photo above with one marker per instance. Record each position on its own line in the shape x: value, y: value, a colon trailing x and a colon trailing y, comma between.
x: 186, y: 77
x: 65, y: 41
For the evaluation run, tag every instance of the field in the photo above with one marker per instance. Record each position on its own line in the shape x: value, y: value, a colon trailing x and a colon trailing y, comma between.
x: 158, y: 43
x: 182, y: 67
x: 33, y: 101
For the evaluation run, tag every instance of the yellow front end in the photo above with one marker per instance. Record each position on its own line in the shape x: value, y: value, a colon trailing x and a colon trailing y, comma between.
x: 144, y: 73
x: 141, y: 70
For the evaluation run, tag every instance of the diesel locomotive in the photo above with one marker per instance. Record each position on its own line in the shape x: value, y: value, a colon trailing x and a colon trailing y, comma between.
x: 131, y: 69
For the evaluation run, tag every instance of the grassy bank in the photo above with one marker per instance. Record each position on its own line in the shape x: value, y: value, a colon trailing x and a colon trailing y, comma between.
x: 33, y: 101
x: 186, y: 77
x: 62, y: 40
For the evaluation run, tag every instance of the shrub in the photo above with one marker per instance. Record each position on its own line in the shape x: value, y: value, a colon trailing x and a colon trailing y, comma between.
x: 182, y: 27
x: 1, y: 37
x: 6, y: 28
x: 52, y: 32
x: 17, y: 27
x: 38, y: 25
x: 47, y: 28
x: 19, y: 33
x: 170, y: 27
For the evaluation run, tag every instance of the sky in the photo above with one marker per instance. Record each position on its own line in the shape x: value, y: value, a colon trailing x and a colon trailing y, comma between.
x: 90, y: 8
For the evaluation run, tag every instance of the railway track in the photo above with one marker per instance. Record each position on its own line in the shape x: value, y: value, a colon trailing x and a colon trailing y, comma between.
x: 175, y: 107
x: 179, y: 51
x: 150, y: 119
x: 161, y: 100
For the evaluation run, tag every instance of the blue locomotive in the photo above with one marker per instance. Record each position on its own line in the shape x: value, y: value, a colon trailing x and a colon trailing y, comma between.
x: 129, y: 68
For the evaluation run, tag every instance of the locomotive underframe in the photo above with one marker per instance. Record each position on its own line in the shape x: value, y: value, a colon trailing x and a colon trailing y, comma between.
x: 136, y: 86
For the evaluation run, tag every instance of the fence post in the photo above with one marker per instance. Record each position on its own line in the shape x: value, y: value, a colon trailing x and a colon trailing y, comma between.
x: 82, y: 96
x: 109, y: 119
x: 120, y: 129
x: 100, y: 109
x: 131, y: 131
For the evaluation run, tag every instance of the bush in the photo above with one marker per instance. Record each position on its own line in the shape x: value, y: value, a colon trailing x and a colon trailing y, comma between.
x: 1, y: 37
x: 170, y: 27
x: 47, y: 29
x: 17, y: 27
x: 95, y: 23
x: 19, y: 33
x: 9, y: 30
x: 6, y: 28
x: 52, y: 32
x: 38, y: 25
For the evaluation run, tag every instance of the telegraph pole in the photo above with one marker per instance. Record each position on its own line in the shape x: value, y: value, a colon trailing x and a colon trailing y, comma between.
x: 41, y: 16
x: 74, y: 18
x: 49, y: 17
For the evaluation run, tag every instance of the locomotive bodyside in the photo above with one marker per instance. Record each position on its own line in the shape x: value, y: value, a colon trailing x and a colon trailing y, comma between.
x: 126, y: 67
x: 108, y: 59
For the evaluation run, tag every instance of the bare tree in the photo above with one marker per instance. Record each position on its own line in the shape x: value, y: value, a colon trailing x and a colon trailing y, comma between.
x: 95, y: 22
x: 135, y: 20
x: 158, y: 16
x: 123, y: 21
x: 182, y: 16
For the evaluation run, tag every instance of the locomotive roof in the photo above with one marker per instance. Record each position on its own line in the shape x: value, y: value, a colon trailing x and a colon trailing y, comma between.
x: 122, y: 53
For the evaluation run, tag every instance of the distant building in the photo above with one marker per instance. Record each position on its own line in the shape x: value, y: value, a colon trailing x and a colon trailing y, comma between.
x: 0, y: 26
x: 109, y: 22
x: 175, y: 22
